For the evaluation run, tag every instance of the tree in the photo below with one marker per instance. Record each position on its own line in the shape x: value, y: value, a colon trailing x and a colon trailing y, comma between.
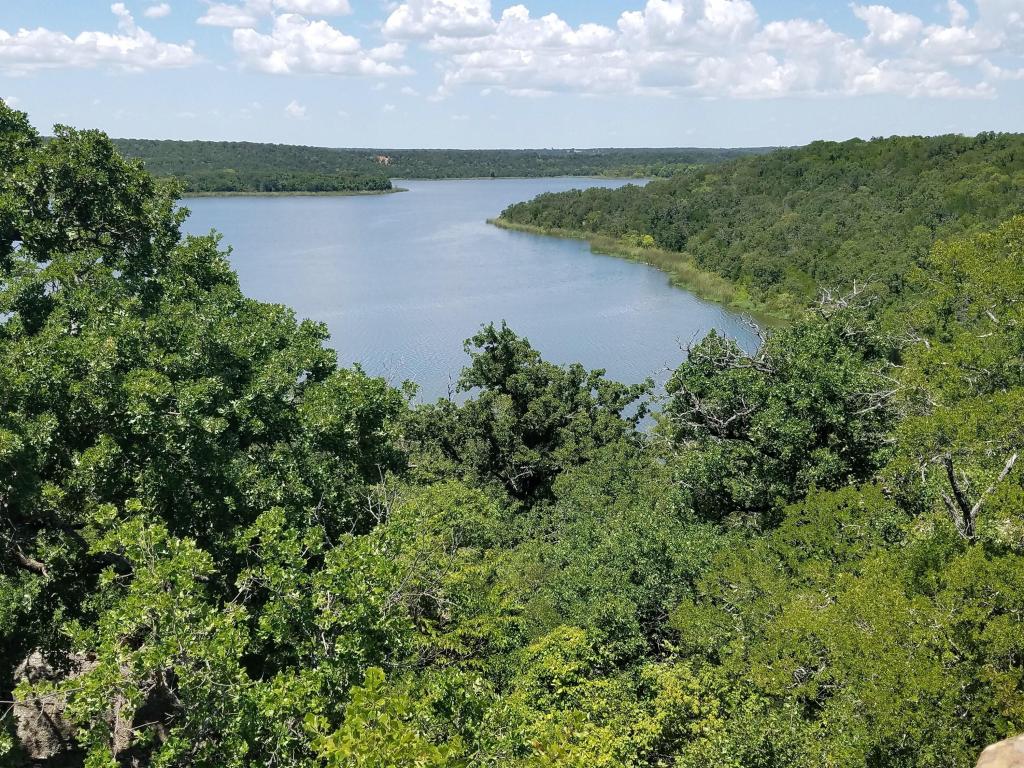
x: 965, y: 387
x: 812, y: 408
x: 529, y: 419
x: 143, y: 396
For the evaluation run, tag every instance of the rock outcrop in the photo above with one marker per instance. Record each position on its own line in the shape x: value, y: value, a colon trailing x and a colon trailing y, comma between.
x: 1005, y: 754
x: 47, y: 737
x: 42, y: 730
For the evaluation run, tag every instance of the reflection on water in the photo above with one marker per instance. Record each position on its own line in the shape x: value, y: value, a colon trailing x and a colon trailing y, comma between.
x: 401, y: 280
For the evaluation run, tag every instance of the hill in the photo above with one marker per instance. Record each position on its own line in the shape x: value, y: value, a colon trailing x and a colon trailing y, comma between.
x: 215, y: 166
x: 777, y: 226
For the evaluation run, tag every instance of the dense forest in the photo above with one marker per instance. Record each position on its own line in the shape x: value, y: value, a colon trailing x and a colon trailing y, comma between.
x: 241, y: 167
x: 220, y: 166
x: 779, y: 225
x: 218, y: 548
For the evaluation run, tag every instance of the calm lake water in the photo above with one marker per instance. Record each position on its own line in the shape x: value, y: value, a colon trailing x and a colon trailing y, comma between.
x: 401, y: 280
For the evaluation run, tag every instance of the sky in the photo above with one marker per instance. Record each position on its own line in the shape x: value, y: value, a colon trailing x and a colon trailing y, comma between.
x: 491, y: 74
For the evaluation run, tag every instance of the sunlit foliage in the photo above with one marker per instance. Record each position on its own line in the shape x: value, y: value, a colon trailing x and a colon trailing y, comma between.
x: 218, y: 548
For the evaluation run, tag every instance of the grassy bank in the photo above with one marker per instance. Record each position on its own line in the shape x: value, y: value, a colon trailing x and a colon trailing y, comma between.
x: 343, y: 193
x: 681, y: 270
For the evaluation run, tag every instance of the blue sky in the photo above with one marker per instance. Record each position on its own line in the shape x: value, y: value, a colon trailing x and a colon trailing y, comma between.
x: 541, y: 73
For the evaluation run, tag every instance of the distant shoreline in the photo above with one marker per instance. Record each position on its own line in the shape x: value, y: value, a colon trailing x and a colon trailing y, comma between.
x: 679, y: 267
x: 534, y: 178
x: 298, y: 193
x: 373, y: 192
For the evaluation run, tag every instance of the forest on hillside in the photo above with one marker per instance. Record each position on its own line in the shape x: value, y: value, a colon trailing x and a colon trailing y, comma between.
x: 781, y: 225
x: 218, y: 548
x: 220, y: 166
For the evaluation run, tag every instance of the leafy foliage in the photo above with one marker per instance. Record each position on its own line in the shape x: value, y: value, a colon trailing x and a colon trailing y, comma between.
x: 530, y: 419
x: 217, y: 548
x: 809, y: 410
x: 782, y: 224
x: 220, y: 166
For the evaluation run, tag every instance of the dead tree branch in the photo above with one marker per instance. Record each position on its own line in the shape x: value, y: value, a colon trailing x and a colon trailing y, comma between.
x: 963, y: 513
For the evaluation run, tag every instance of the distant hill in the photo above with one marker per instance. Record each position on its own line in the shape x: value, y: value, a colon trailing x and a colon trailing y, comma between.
x: 226, y: 166
x: 229, y: 166
x: 781, y: 224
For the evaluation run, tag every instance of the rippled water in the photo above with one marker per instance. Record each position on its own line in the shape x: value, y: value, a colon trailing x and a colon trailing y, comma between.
x: 401, y: 280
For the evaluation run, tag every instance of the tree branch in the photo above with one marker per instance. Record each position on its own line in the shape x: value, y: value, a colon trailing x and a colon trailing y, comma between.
x: 30, y: 564
x: 963, y: 513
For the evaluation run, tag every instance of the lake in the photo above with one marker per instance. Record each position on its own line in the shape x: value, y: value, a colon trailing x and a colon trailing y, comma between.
x: 402, y: 280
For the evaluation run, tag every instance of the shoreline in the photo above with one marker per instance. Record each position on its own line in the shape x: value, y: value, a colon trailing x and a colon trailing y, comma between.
x: 678, y: 267
x: 297, y: 193
x: 375, y: 192
x: 513, y: 178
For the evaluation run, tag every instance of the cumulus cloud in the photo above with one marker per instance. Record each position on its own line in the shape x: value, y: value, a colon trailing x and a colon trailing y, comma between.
x: 298, y: 45
x: 315, y: 7
x: 131, y: 48
x: 1005, y: 17
x: 295, y: 111
x: 887, y: 27
x: 527, y: 56
x: 719, y: 48
x: 697, y: 24
x: 440, y: 18
x: 157, y: 11
x: 707, y: 48
x: 232, y: 15
x: 250, y: 12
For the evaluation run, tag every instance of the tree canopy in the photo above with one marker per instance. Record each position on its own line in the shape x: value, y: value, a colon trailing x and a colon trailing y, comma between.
x: 233, y: 166
x: 218, y: 548
x: 782, y: 224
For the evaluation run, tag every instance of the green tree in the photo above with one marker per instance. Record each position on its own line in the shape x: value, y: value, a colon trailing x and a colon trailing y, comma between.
x: 812, y: 408
x: 141, y: 391
x: 528, y: 419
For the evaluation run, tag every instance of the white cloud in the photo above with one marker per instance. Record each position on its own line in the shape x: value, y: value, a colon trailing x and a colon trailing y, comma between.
x: 389, y: 108
x: 696, y: 23
x: 995, y: 72
x: 1004, y: 18
x: 11, y: 101
x: 295, y: 111
x: 718, y: 48
x: 232, y: 15
x: 297, y: 45
x: 132, y: 48
x: 249, y: 12
x: 444, y: 18
x: 958, y: 14
x: 157, y: 11
x: 885, y: 78
x: 315, y: 7
x: 886, y: 26
x: 707, y: 48
x: 956, y: 42
x: 528, y: 57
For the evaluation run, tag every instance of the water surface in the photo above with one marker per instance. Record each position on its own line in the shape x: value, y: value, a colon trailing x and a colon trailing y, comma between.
x: 401, y: 280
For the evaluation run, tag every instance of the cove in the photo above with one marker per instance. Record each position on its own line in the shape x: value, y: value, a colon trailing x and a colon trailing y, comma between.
x: 402, y: 280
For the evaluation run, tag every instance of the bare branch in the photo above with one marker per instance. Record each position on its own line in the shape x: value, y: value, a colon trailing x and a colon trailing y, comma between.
x: 1002, y: 476
x: 963, y: 513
